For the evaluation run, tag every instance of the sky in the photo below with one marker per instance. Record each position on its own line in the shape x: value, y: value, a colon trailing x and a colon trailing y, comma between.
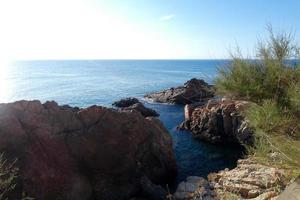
x: 139, y: 29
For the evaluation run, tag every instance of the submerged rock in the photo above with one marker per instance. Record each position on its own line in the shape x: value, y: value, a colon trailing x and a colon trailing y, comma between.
x: 92, y: 153
x: 249, y: 180
x: 133, y: 104
x: 218, y: 121
x: 194, y: 90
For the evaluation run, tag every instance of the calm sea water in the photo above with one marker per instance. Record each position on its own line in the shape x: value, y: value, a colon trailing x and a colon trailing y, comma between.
x: 89, y: 82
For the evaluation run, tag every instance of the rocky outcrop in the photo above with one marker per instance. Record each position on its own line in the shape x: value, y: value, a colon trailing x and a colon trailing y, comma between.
x: 218, y: 121
x: 194, y: 90
x: 92, y: 153
x: 123, y: 103
x: 249, y: 180
x: 134, y: 105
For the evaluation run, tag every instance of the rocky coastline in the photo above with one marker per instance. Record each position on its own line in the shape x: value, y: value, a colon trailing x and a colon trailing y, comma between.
x: 66, y: 152
x: 219, y: 121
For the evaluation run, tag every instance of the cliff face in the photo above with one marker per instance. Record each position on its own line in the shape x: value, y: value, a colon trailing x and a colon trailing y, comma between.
x: 92, y: 153
x: 218, y: 121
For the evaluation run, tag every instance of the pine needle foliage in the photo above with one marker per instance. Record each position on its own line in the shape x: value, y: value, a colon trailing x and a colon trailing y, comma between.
x: 272, y: 81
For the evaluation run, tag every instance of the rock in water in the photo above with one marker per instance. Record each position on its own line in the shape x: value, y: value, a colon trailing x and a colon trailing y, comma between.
x: 133, y: 104
x: 123, y: 103
x: 92, y: 153
x: 218, y: 122
x: 194, y: 90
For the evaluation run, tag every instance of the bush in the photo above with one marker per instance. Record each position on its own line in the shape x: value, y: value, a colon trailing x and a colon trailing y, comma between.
x: 272, y: 81
x: 267, y: 77
x: 277, y: 133
x: 269, y: 118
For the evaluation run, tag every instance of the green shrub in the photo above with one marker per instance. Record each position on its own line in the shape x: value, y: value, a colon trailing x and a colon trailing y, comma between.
x: 267, y: 77
x: 269, y: 118
x: 241, y: 79
x: 273, y: 83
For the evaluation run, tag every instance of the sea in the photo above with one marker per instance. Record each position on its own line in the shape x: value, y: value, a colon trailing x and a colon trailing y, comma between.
x: 83, y: 83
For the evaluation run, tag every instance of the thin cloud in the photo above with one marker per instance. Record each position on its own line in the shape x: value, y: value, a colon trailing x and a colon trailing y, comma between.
x: 167, y: 17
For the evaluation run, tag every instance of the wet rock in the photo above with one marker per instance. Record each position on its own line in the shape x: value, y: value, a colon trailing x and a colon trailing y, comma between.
x: 194, y: 90
x: 134, y: 105
x: 123, y: 103
x: 218, y: 121
x: 139, y: 107
x: 92, y: 153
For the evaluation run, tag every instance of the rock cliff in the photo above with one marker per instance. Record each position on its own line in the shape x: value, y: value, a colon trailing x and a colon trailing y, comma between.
x: 93, y: 153
x: 218, y: 121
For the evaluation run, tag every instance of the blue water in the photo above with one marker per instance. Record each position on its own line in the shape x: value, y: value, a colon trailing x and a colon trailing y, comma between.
x: 89, y: 82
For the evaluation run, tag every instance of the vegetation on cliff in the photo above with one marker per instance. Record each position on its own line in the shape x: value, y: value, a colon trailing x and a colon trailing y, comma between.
x: 8, y: 174
x: 8, y: 179
x: 272, y: 81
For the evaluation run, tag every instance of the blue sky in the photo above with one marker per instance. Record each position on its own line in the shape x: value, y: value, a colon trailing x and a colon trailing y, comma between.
x: 140, y: 29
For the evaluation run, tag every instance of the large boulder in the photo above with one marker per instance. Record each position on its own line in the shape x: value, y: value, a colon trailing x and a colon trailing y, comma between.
x: 93, y: 153
x: 194, y: 90
x: 218, y: 121
x: 134, y: 105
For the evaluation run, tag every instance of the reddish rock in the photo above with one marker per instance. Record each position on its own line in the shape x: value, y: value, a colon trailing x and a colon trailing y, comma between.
x: 92, y: 153
x: 218, y: 121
